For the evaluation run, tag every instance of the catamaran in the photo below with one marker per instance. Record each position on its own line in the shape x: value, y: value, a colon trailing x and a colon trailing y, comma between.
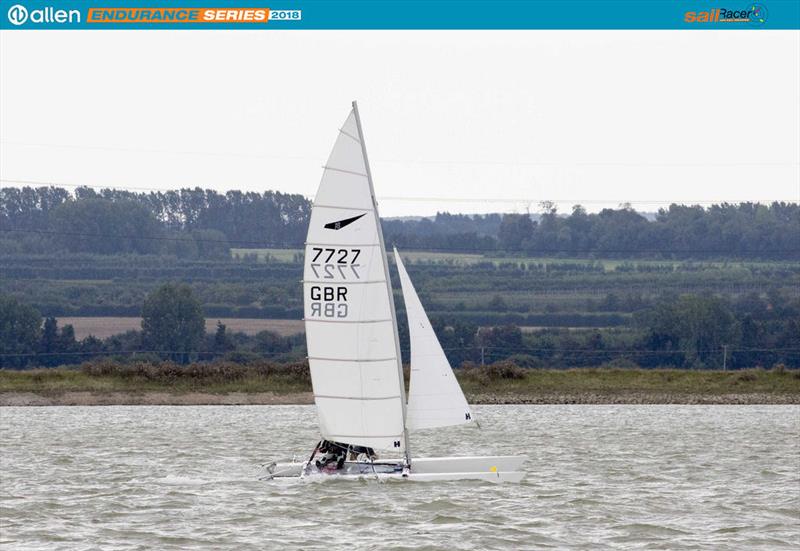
x: 354, y: 347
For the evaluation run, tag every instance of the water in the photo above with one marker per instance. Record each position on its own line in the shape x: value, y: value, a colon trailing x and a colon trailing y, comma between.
x: 676, y: 477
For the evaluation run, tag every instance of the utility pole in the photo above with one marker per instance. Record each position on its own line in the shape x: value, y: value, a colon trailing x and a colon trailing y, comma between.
x: 724, y: 357
x: 482, y: 356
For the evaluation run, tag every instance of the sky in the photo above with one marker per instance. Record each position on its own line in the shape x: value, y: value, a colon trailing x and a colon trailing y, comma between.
x: 458, y: 121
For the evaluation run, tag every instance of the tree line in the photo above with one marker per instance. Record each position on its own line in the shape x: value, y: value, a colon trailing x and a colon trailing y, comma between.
x: 172, y: 328
x: 187, y: 223
x: 746, y: 230
x: 197, y: 223
x: 686, y: 331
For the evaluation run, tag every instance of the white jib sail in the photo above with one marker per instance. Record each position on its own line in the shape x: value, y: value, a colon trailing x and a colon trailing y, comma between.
x: 435, y: 398
x: 349, y: 315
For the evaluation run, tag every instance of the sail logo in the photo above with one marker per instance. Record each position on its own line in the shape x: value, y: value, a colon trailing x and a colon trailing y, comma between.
x: 19, y: 15
x: 339, y: 224
x: 754, y: 14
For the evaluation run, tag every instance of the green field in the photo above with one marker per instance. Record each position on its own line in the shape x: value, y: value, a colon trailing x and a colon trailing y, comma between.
x: 265, y: 284
x: 587, y: 312
x: 466, y: 259
x: 264, y: 255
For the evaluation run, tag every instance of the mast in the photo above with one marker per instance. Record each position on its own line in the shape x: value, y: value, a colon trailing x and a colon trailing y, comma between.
x: 388, y: 282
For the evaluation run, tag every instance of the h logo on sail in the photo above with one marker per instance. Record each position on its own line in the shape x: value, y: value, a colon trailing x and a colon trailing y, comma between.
x: 339, y: 224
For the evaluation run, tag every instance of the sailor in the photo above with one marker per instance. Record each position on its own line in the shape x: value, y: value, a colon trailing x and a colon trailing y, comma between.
x: 333, y: 456
x: 362, y: 454
x: 328, y: 452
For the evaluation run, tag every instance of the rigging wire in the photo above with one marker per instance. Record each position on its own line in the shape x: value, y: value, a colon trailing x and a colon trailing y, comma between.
x: 469, y: 162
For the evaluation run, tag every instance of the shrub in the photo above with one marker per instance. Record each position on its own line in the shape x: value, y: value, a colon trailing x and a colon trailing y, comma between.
x: 498, y: 371
x: 211, y: 372
x: 746, y: 376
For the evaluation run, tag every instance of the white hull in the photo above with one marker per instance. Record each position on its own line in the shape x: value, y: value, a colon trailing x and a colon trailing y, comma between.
x: 513, y: 476
x: 503, y: 468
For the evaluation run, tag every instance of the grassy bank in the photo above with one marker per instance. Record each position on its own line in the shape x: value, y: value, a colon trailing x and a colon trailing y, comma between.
x: 499, y: 383
x: 109, y: 376
x: 621, y: 381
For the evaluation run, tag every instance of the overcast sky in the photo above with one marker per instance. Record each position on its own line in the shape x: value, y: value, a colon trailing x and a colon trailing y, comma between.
x: 465, y: 121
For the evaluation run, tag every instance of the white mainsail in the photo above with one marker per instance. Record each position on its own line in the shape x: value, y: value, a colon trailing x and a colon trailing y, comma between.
x: 435, y: 398
x: 353, y: 346
x: 350, y: 320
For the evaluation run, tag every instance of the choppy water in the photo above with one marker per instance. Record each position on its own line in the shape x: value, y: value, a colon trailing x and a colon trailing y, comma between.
x: 676, y: 477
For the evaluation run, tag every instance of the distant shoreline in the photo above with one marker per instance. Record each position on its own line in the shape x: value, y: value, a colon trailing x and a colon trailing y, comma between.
x: 159, y: 398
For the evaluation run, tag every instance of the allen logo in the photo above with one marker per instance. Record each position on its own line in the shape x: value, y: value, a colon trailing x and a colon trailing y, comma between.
x: 19, y: 15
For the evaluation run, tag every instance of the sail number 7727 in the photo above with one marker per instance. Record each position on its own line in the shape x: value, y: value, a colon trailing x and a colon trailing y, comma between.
x: 330, y: 262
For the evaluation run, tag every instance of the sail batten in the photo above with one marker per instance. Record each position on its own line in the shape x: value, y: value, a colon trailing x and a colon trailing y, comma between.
x: 348, y: 311
x: 358, y: 397
x: 353, y: 360
x: 349, y: 136
x: 435, y: 398
x: 326, y: 167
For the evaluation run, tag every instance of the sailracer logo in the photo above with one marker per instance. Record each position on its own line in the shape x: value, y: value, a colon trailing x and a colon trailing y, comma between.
x: 754, y: 14
x: 339, y: 224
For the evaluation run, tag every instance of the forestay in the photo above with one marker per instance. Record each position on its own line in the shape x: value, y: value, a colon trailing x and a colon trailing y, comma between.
x: 349, y: 315
x: 435, y: 398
